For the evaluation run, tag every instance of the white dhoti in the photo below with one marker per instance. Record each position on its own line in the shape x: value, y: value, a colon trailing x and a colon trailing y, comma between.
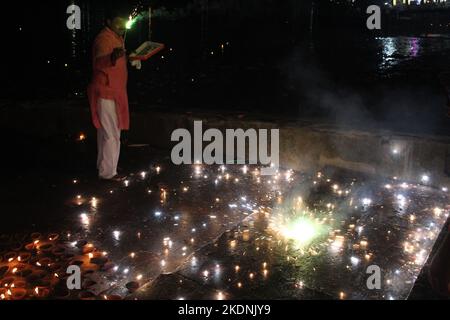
x: 108, y: 139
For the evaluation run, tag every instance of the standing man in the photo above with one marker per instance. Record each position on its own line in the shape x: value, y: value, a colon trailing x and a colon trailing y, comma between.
x: 107, y: 93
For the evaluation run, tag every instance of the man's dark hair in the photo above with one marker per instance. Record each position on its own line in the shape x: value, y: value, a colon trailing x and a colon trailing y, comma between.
x: 115, y: 11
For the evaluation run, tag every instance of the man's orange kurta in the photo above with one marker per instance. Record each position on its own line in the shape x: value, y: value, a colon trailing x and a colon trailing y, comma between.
x: 109, y: 81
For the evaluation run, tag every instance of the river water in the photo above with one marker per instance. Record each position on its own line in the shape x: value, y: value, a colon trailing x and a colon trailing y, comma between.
x: 247, y: 64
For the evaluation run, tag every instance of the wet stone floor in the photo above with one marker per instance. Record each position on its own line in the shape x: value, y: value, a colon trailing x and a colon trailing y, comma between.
x: 227, y: 232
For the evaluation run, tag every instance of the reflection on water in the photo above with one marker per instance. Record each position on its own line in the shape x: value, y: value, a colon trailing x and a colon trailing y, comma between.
x: 220, y: 61
x: 415, y: 46
x: 396, y: 49
x: 388, y: 50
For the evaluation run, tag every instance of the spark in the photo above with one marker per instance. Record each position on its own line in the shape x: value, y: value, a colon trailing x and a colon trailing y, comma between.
x: 116, y: 235
x: 354, y: 261
x: 220, y: 295
x: 302, y: 231
x: 437, y: 211
x: 401, y: 200
x: 84, y: 219
x: 338, y: 243
x: 425, y: 178
x: 363, y: 244
x: 130, y: 22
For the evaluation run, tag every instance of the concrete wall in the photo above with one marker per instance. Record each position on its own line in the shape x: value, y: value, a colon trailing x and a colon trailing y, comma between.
x: 303, y: 145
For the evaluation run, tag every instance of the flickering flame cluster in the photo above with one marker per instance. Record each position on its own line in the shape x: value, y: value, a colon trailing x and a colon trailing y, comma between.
x: 304, y: 218
x: 339, y: 224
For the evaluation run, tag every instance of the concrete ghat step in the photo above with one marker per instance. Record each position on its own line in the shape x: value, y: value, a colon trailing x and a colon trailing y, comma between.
x: 303, y: 145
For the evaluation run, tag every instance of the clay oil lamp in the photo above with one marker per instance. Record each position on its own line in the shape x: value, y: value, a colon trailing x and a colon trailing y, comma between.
x: 36, y: 236
x: 80, y: 244
x: 44, y: 262
x: 132, y: 286
x: 19, y: 282
x: 61, y: 292
x: 23, y: 256
x: 88, y: 248
x: 56, y: 267
x: 45, y: 246
x: 86, y: 295
x: 108, y: 267
x: 36, y: 276
x: 18, y: 293
x: 59, y: 251
x: 41, y: 292
x: 97, y: 258
x: 7, y: 282
x: 68, y: 256
x: 10, y: 256
x: 4, y: 294
x: 30, y: 246
x: 4, y: 270
x: 22, y: 270
x: 53, y: 237
x: 113, y: 297
x: 17, y: 246
x: 79, y: 260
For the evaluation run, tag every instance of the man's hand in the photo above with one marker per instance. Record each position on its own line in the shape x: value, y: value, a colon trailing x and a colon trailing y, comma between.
x: 117, y: 54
